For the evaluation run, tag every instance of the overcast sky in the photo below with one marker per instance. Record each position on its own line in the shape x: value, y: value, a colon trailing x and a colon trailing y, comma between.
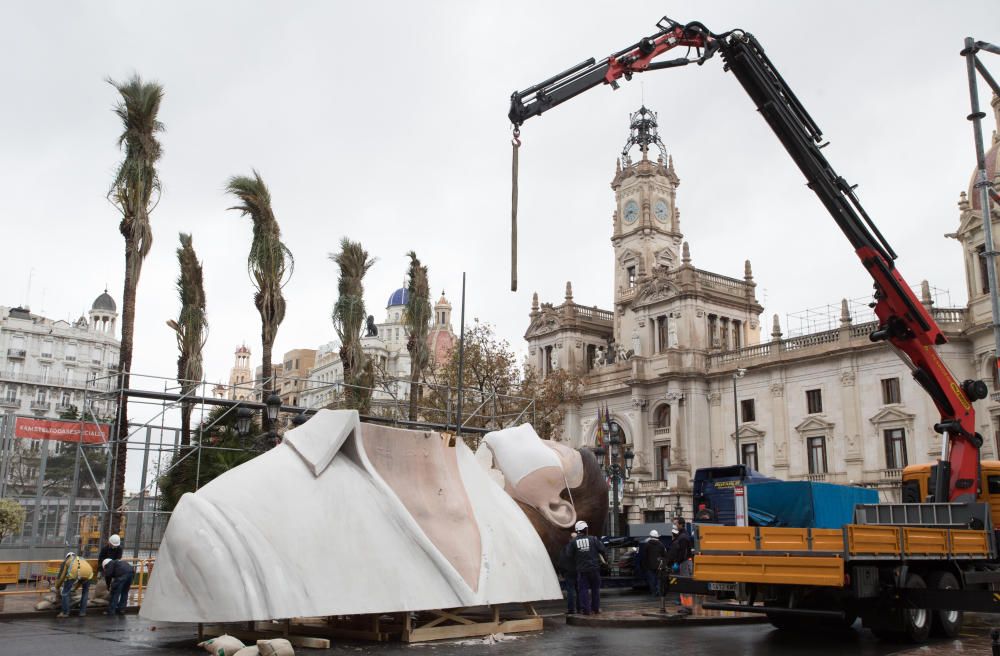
x: 386, y: 123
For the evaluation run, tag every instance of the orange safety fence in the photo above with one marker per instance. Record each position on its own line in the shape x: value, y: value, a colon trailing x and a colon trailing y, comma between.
x: 38, y: 577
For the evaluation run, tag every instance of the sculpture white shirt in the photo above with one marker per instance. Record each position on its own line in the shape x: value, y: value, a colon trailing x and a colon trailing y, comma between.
x: 311, y: 529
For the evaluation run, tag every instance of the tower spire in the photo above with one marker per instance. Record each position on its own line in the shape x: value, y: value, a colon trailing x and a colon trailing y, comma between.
x: 643, y: 132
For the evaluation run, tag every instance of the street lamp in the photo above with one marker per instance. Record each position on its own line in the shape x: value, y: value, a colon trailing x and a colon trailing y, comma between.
x: 272, y: 406
x: 300, y: 419
x: 739, y: 373
x: 243, y: 417
x: 617, y: 468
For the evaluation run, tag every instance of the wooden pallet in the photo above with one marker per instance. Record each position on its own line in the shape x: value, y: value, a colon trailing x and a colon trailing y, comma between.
x: 444, y: 624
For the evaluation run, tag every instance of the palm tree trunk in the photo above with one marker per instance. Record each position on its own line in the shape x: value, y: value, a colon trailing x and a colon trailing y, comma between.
x: 267, y: 384
x: 186, y: 408
x: 414, y: 390
x: 133, y: 263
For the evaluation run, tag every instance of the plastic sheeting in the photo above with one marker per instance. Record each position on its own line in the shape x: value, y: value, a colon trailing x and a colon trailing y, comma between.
x: 801, y: 504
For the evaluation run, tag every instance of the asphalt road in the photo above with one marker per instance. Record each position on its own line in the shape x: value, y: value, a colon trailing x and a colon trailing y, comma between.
x: 97, y: 635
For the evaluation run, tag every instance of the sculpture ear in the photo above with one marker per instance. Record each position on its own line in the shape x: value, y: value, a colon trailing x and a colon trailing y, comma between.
x: 560, y: 512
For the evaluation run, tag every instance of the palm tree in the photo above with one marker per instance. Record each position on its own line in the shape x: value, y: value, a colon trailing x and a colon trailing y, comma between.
x: 191, y: 328
x: 416, y: 318
x: 270, y: 264
x: 348, y: 319
x: 134, y: 192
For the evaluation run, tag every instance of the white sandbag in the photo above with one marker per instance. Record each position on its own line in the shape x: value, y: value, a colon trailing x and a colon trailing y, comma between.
x: 252, y: 650
x: 224, y: 645
x: 44, y: 604
x: 100, y: 590
x: 51, y: 598
x: 98, y: 602
x: 276, y: 647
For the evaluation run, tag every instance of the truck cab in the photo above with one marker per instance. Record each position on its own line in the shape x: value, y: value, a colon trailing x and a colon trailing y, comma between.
x: 917, y: 483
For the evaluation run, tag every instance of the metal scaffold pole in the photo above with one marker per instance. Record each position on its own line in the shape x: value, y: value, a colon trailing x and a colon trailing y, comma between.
x: 983, y: 186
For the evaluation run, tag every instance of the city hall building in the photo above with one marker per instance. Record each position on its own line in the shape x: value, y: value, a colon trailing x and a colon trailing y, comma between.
x: 694, y: 376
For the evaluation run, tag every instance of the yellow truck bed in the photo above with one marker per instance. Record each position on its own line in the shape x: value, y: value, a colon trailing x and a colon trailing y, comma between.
x: 803, y: 556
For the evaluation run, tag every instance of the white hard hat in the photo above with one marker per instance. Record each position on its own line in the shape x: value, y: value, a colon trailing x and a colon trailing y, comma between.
x: 105, y: 563
x: 675, y: 530
x: 115, y: 540
x: 654, y: 533
x: 581, y: 525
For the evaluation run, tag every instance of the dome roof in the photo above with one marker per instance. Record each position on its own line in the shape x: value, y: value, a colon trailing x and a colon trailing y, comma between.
x: 399, y: 297
x: 104, y: 302
x: 442, y: 302
x: 992, y: 161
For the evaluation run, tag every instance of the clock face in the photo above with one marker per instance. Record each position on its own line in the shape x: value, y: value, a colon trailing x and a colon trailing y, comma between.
x: 631, y: 211
x: 660, y: 210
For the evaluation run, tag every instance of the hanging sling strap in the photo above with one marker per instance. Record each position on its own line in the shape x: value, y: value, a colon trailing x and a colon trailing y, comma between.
x: 515, y: 145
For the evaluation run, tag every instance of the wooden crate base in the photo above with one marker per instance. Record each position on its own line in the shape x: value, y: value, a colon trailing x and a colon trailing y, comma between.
x: 445, y: 624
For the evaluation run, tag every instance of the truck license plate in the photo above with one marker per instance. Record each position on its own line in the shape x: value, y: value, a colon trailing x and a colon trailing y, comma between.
x: 722, y: 587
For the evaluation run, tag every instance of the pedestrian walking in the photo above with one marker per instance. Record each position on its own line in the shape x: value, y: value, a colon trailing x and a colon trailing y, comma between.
x: 112, y: 549
x: 567, y: 567
x: 588, y: 554
x: 73, y: 572
x: 121, y: 572
x: 651, y: 558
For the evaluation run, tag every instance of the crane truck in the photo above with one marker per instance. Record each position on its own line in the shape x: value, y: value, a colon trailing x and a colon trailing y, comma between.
x: 906, y: 569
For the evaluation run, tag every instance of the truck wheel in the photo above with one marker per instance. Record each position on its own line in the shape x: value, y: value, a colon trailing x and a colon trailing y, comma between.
x: 946, y: 623
x: 916, y: 622
x: 902, y: 624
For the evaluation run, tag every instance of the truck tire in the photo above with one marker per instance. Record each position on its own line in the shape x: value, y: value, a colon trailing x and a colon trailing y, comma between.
x: 900, y: 624
x: 947, y: 623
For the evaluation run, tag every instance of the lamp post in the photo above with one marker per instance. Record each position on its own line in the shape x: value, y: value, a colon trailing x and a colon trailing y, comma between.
x: 272, y: 406
x: 243, y: 417
x: 617, y: 468
x: 739, y: 373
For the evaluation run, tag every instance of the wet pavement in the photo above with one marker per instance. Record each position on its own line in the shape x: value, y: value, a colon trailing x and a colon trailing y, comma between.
x: 130, y: 636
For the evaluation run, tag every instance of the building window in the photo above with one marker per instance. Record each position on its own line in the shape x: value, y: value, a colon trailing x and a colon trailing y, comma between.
x: 47, y: 348
x: 748, y: 455
x: 653, y: 516
x: 890, y: 390
x: 630, y: 274
x: 817, y: 455
x: 895, y: 448
x: 737, y: 334
x: 40, y: 395
x: 814, y: 401
x: 591, y: 356
x: 662, y: 461
x: 547, y: 356
x: 663, y: 416
x: 983, y: 275
x: 747, y: 410
x: 46, y: 369
x: 661, y: 334
x: 10, y: 394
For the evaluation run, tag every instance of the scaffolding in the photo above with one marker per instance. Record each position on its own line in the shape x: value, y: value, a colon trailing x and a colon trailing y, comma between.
x: 79, y: 516
x: 828, y: 317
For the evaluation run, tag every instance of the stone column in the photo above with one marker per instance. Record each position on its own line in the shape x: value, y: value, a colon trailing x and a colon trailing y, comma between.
x: 853, y: 430
x: 779, y: 417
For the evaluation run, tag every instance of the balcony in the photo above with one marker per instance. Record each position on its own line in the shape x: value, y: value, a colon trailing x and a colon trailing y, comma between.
x: 891, y: 474
x: 96, y: 361
x: 14, y: 404
x: 64, y: 407
x: 661, y: 432
x: 46, y: 356
x: 70, y: 358
x: 16, y: 354
x: 817, y: 478
x: 41, y: 406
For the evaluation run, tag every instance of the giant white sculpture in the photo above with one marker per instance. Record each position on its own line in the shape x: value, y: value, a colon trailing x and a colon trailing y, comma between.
x: 344, y: 518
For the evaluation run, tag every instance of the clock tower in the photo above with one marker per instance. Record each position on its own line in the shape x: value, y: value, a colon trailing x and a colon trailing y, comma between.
x: 646, y: 220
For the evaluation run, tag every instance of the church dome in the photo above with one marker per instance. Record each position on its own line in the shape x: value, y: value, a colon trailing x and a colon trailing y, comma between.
x: 105, y: 303
x: 399, y: 297
x: 992, y: 160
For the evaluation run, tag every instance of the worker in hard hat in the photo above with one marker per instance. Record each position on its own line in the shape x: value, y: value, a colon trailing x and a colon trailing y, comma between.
x: 121, y: 573
x: 588, y: 552
x: 112, y: 549
x: 74, y: 571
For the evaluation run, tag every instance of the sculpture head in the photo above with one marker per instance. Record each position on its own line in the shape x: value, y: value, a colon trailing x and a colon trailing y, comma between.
x: 555, y: 485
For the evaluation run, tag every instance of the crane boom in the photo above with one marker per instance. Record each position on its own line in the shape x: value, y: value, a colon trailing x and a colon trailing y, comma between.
x: 903, y: 321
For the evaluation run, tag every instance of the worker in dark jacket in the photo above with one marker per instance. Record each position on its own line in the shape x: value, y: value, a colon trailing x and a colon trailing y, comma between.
x: 679, y: 555
x: 111, y: 549
x: 588, y: 553
x: 121, y: 572
x: 652, y: 555
x: 567, y: 567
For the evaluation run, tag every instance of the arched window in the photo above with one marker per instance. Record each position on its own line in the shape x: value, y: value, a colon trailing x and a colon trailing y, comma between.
x: 663, y: 416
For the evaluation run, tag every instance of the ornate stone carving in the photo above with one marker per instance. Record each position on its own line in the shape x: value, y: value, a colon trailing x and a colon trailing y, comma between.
x: 847, y: 378
x: 715, y: 398
x: 777, y: 390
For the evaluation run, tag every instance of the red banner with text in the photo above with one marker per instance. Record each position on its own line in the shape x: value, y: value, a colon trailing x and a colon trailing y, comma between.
x: 56, y: 429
